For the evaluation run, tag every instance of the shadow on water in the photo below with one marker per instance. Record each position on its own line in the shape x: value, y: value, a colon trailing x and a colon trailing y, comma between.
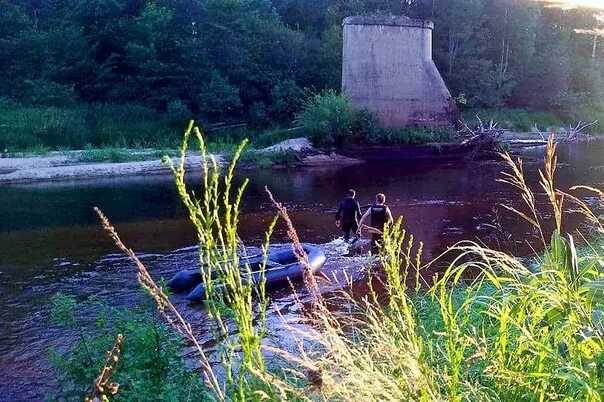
x: 50, y: 239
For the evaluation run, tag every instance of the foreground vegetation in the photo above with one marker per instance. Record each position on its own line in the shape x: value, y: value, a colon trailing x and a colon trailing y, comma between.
x: 150, y: 365
x: 488, y: 327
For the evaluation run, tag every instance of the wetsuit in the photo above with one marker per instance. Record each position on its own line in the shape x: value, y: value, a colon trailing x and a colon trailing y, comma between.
x: 378, y: 221
x: 348, y: 214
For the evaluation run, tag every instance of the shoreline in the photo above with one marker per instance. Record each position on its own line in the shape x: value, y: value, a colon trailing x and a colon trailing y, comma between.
x: 68, y: 166
x: 35, y: 169
x: 62, y: 167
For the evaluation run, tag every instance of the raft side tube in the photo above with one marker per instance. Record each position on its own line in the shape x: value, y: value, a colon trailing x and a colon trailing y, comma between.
x: 188, y: 278
x: 277, y: 273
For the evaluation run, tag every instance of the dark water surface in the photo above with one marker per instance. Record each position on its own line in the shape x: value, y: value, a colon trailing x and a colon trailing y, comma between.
x: 50, y: 240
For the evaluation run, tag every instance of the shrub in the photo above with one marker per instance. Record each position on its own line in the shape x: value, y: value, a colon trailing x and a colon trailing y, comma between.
x: 118, y: 155
x: 587, y: 115
x: 327, y: 119
x: 410, y: 136
x: 178, y: 112
x: 150, y: 366
x: 258, y: 112
x: 274, y: 136
x: 287, y: 100
x: 75, y: 127
x: 365, y: 128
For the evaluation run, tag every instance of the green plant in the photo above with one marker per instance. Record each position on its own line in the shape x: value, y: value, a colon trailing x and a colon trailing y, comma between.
x: 274, y: 136
x: 228, y: 289
x: 77, y: 126
x: 488, y: 328
x: 516, y: 119
x: 149, y: 366
x: 327, y: 119
x: 265, y: 160
x: 365, y: 128
x: 287, y: 100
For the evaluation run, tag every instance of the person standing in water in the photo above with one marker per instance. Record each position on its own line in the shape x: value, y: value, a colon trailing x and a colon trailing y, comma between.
x: 379, y: 213
x: 348, y: 215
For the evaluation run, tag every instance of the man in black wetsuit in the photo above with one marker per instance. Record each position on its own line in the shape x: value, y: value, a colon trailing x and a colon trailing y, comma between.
x: 379, y: 214
x: 348, y: 214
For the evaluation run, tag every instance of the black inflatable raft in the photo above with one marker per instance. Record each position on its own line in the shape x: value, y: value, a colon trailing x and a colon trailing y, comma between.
x: 281, y: 266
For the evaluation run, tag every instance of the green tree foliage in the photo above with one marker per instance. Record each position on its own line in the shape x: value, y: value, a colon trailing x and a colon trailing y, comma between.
x: 258, y: 60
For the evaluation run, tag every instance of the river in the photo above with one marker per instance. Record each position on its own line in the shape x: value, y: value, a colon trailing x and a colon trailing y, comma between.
x: 50, y: 239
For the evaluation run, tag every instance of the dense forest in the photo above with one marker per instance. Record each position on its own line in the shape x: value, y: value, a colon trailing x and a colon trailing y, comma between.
x: 258, y: 61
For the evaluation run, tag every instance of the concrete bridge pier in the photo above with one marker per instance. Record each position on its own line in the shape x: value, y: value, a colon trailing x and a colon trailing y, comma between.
x: 388, y: 69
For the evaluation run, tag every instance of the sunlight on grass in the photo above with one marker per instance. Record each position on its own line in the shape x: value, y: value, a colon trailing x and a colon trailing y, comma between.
x: 487, y: 327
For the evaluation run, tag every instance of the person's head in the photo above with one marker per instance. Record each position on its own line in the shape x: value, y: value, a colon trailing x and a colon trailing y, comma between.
x: 380, y: 199
x: 352, y: 193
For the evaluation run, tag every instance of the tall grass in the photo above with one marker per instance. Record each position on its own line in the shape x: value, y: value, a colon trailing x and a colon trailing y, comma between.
x: 229, y: 291
x: 518, y: 119
x: 75, y: 127
x: 486, y: 328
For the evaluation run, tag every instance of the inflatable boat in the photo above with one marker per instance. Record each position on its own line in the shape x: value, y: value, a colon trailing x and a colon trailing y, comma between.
x: 281, y: 267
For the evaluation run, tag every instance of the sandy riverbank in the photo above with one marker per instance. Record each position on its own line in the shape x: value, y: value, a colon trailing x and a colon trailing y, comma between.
x: 65, y: 166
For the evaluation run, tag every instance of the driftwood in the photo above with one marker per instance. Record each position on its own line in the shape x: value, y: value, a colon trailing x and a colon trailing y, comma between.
x: 571, y: 134
x: 224, y: 126
x: 574, y: 132
x: 485, y: 139
x: 482, y: 139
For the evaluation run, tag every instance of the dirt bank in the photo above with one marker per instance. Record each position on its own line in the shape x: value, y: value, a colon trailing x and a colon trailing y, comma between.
x: 64, y: 166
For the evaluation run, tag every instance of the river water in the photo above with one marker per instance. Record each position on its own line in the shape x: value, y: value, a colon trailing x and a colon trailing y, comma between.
x: 50, y: 239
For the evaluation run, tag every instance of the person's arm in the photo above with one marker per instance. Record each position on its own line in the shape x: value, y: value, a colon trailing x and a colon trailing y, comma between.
x: 358, y: 211
x: 389, y: 215
x: 363, y: 219
x: 339, y: 214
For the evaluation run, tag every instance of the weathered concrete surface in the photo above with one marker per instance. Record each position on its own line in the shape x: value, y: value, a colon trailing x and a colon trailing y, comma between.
x: 388, y: 69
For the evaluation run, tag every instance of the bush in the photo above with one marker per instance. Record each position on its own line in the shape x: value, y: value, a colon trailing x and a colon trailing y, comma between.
x: 365, y: 128
x: 330, y: 120
x: 411, y: 136
x: 150, y: 365
x: 178, y: 112
x: 587, y: 115
x: 118, y: 155
x: 265, y: 160
x: 25, y: 127
x: 327, y: 119
x: 258, y: 113
x: 274, y: 136
x: 287, y: 100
